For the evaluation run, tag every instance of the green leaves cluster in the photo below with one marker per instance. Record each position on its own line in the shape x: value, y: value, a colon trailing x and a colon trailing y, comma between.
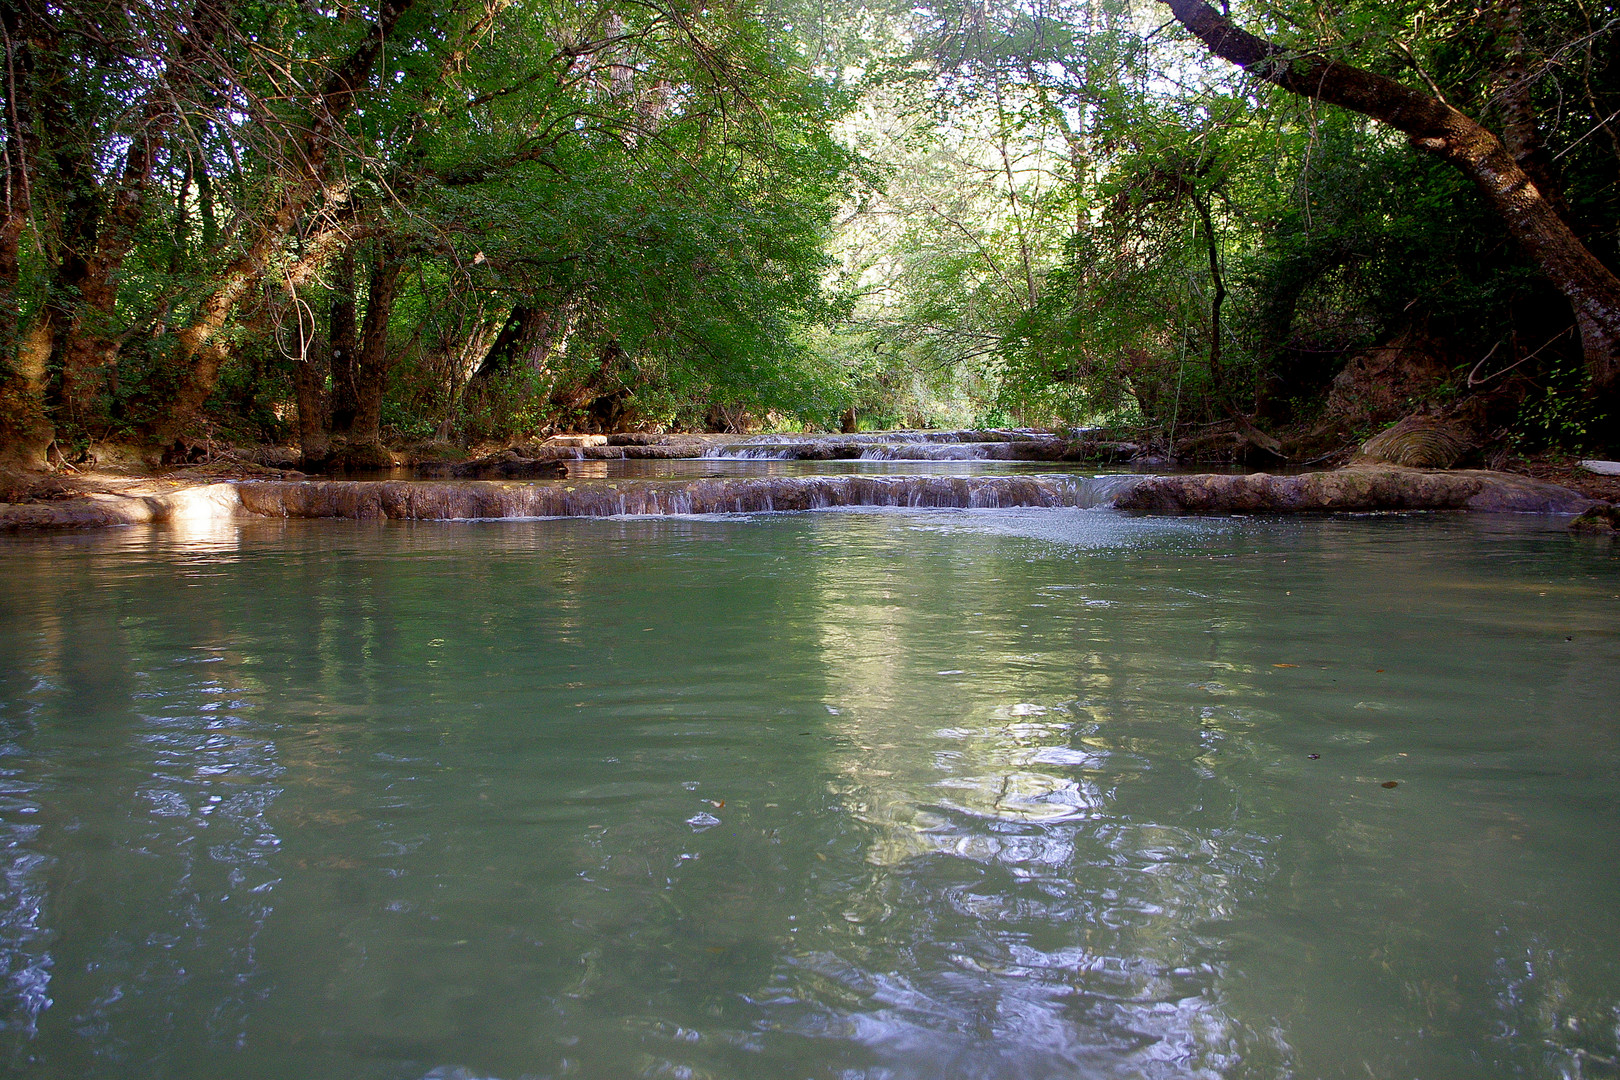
x: 660, y: 178
x: 1151, y: 188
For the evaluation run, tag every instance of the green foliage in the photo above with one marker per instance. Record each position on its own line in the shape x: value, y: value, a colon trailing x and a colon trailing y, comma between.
x: 1054, y: 213
x: 1560, y: 410
x: 661, y: 181
x: 1137, y: 157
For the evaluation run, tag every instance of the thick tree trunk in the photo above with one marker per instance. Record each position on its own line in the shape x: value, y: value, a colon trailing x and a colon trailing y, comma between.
x: 374, y: 360
x: 594, y: 386
x: 345, y: 346
x: 201, y: 354
x: 1521, y: 133
x: 71, y: 167
x: 65, y: 391
x: 313, y: 444
x: 1592, y: 288
x: 498, y: 357
x: 525, y: 340
x: 25, y: 433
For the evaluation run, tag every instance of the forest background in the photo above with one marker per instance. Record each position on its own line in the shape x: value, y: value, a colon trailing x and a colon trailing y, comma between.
x: 1267, y: 230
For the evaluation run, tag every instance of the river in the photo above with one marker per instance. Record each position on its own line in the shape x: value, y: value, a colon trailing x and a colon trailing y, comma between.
x: 831, y: 795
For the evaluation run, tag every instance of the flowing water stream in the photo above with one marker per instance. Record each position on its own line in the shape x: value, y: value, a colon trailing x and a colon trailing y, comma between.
x: 1003, y: 444
x: 812, y: 796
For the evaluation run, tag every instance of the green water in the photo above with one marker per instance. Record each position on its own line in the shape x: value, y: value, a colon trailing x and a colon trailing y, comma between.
x: 938, y: 794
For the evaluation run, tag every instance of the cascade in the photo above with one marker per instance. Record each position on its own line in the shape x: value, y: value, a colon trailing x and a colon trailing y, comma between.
x: 1023, y: 450
x: 417, y: 500
x: 996, y: 444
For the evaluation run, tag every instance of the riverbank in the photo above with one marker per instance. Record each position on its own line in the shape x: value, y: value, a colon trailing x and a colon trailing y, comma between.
x: 99, y: 502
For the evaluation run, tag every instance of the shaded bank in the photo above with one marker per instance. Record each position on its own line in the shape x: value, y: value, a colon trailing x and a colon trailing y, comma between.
x: 1355, y: 489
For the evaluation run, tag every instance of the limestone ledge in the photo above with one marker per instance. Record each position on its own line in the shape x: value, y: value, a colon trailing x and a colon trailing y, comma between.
x: 407, y: 500
x: 98, y: 510
x: 1357, y: 488
x: 1352, y: 489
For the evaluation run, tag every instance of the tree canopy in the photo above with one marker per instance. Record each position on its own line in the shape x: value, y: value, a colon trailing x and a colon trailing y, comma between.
x: 475, y: 221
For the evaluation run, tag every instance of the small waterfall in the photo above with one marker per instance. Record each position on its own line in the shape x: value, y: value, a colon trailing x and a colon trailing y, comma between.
x: 992, y: 445
x: 962, y: 451
x: 961, y: 435
x: 752, y: 452
x: 428, y: 501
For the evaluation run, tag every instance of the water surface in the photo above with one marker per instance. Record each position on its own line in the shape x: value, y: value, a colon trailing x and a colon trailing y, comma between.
x: 1003, y: 794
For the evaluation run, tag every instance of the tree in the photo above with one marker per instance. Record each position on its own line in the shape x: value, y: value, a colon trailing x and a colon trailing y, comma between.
x: 202, y: 192
x: 1433, y: 125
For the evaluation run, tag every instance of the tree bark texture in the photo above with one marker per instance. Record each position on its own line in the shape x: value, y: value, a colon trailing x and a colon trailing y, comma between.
x: 1511, y: 82
x: 345, y: 345
x: 1592, y: 288
x: 525, y: 341
x: 25, y: 433
x: 313, y: 444
x: 374, y: 361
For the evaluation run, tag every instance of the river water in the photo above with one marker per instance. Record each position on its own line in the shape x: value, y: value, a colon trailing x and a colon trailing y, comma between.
x: 820, y: 796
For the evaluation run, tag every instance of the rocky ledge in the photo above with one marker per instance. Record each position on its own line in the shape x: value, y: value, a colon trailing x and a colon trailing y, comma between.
x: 102, y: 509
x: 1357, y: 488
x: 1362, y: 488
x: 507, y: 465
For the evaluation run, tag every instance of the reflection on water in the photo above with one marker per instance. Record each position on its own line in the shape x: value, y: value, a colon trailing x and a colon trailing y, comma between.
x: 899, y: 794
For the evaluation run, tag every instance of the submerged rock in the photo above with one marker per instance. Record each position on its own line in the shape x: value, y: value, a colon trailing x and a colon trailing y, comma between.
x: 1358, y: 488
x: 1601, y: 520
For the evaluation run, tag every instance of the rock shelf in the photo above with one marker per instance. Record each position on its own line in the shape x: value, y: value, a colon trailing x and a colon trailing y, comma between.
x: 1357, y: 488
x: 1353, y: 489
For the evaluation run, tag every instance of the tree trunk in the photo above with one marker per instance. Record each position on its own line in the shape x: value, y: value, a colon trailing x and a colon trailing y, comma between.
x: 525, y: 341
x: 197, y: 353
x: 1521, y: 133
x: 72, y: 169
x: 345, y: 346
x: 313, y: 444
x: 25, y: 433
x: 1217, y: 373
x: 202, y: 354
x: 595, y: 385
x: 91, y: 345
x: 374, y: 360
x: 1592, y: 288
